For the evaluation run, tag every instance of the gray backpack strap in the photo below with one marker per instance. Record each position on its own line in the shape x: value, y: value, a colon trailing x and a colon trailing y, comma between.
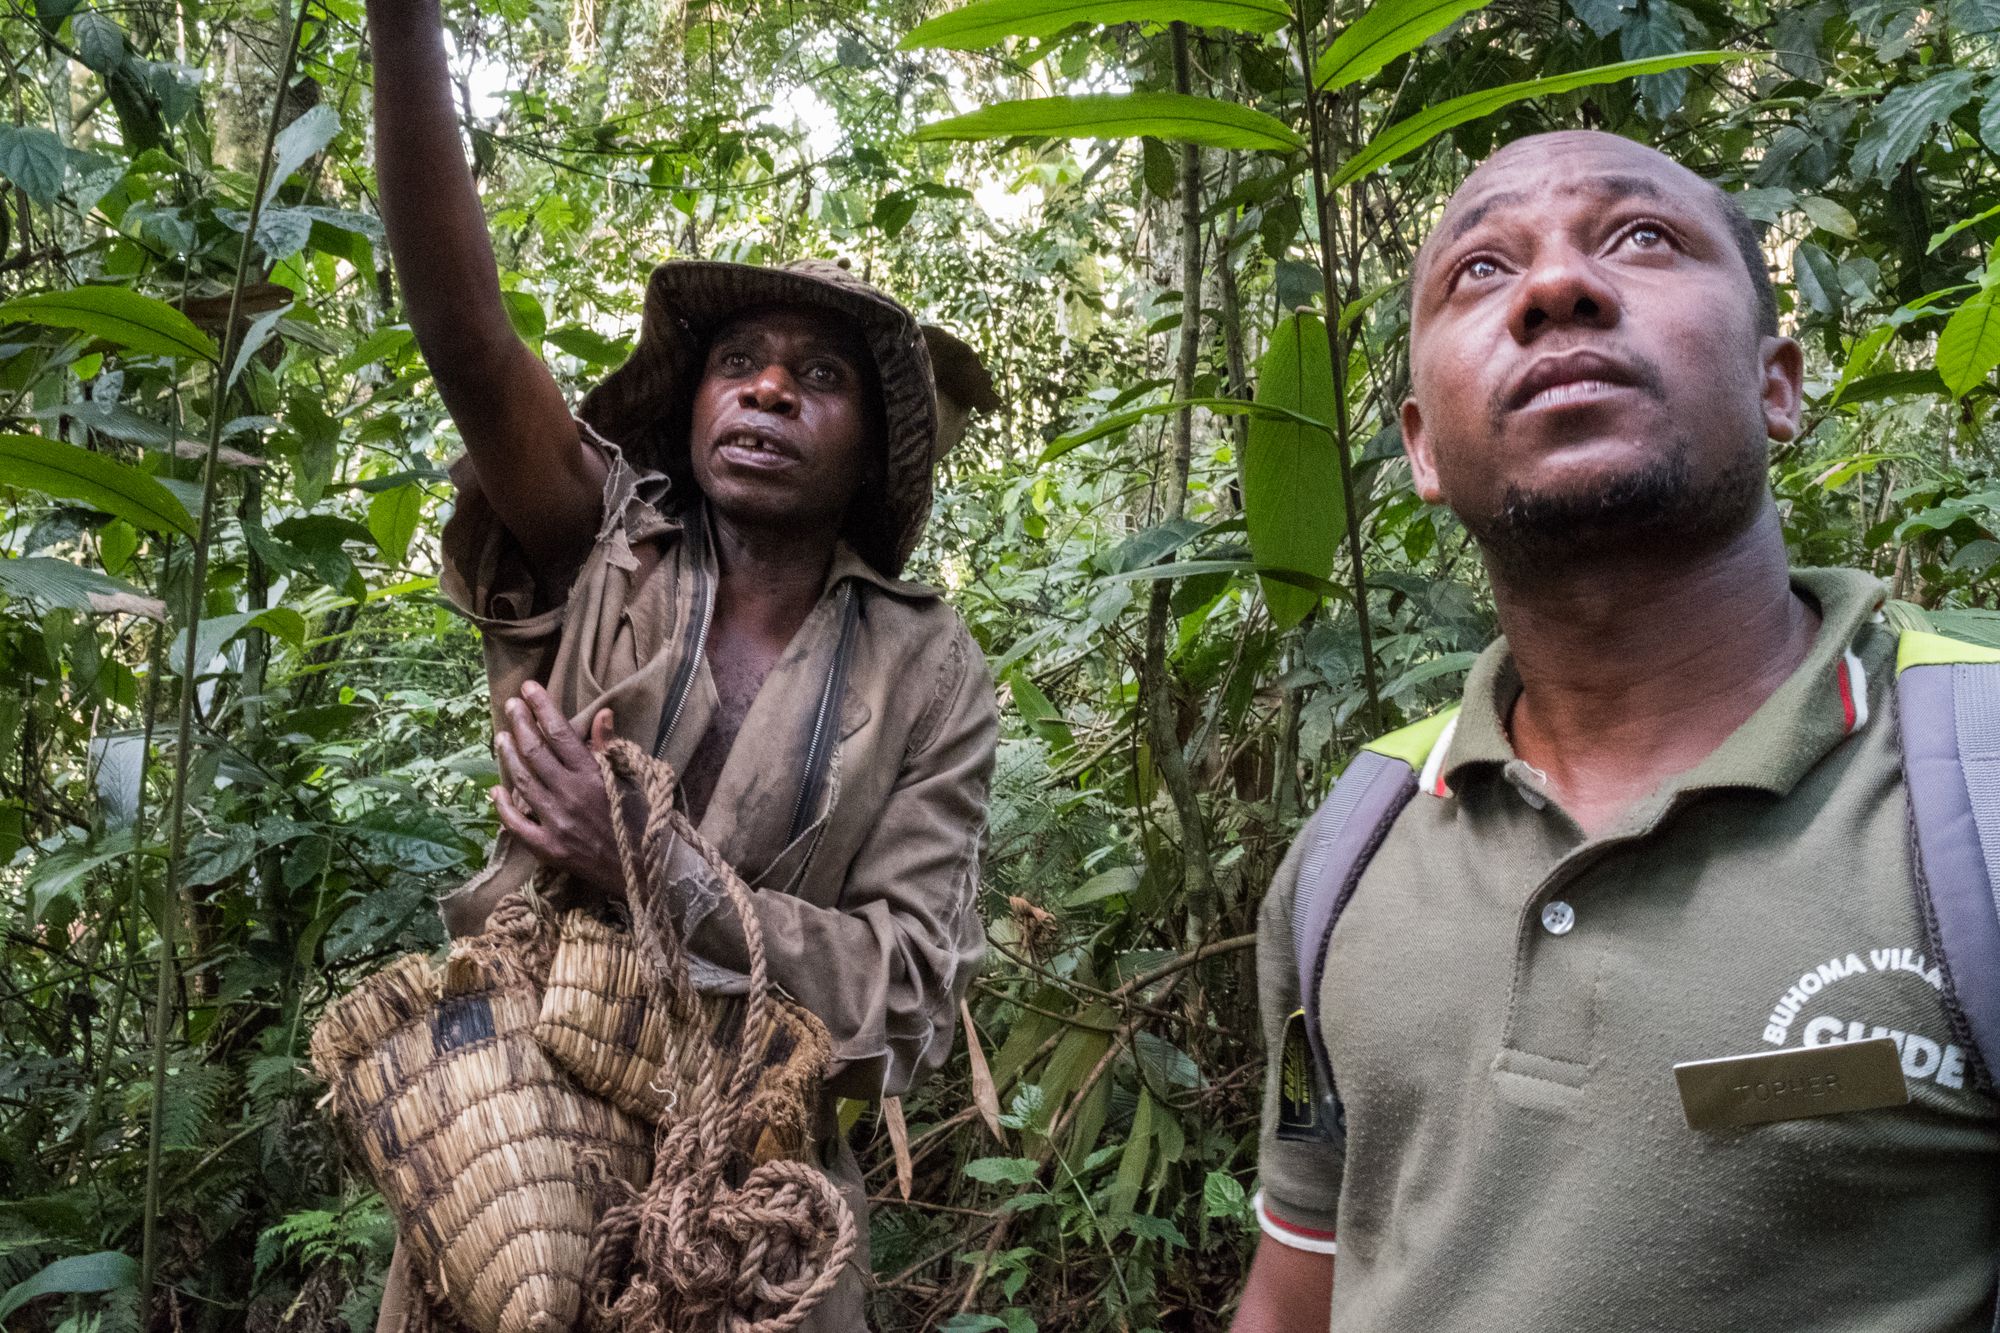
x: 1949, y: 725
x: 1343, y: 837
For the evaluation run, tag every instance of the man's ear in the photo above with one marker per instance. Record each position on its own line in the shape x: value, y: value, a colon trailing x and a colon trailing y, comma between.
x: 1417, y: 446
x: 1783, y: 381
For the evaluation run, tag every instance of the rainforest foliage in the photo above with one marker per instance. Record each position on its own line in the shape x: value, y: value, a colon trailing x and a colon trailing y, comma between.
x: 243, y: 743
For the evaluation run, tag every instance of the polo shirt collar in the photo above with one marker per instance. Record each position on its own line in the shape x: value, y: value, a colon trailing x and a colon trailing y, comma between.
x: 1821, y: 703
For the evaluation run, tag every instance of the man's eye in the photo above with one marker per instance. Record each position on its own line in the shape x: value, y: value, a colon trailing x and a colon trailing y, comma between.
x: 823, y: 375
x: 735, y: 361
x: 1646, y: 236
x: 1480, y: 269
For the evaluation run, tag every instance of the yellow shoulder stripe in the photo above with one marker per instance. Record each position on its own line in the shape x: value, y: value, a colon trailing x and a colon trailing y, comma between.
x: 1916, y: 648
x: 1412, y: 744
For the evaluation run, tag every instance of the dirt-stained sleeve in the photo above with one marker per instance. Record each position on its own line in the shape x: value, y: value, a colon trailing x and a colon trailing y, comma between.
x: 886, y: 968
x: 486, y: 578
x: 1298, y: 1179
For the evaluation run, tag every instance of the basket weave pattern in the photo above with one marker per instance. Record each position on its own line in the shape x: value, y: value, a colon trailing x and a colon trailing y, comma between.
x: 476, y: 1139
x: 602, y: 1020
x: 524, y: 1198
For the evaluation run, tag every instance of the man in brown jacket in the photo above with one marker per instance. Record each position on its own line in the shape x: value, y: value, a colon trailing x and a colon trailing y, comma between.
x: 705, y: 564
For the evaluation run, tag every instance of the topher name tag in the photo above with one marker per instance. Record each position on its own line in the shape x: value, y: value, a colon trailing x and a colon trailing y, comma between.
x: 1742, y: 1090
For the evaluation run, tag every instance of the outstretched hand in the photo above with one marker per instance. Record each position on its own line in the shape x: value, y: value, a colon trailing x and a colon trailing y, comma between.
x: 553, y: 800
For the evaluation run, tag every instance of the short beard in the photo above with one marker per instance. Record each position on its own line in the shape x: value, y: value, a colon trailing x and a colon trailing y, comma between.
x: 1659, y: 509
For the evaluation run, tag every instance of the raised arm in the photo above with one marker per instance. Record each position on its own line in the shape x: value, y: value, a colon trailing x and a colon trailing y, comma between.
x: 544, y: 486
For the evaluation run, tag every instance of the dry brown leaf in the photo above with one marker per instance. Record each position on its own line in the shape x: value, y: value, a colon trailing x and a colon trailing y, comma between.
x: 1036, y: 927
x: 899, y: 1139
x: 128, y: 604
x: 258, y: 297
x: 984, y: 1095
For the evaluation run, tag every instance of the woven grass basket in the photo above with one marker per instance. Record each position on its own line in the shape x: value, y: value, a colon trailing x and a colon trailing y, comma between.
x: 602, y: 1021
x: 496, y: 1165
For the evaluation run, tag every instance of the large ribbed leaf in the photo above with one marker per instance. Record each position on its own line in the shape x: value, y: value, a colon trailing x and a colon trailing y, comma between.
x: 106, y: 485
x: 107, y: 1270
x: 1969, y: 347
x: 1389, y: 29
x: 48, y: 581
x: 115, y: 314
x: 987, y: 22
x: 1406, y: 136
x: 1291, y: 473
x: 1174, y: 116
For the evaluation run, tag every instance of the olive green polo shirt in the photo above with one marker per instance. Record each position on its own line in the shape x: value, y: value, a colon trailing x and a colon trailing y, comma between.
x: 1505, y: 999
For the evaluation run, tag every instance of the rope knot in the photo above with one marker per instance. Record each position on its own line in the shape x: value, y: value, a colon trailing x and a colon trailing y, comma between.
x: 691, y: 1251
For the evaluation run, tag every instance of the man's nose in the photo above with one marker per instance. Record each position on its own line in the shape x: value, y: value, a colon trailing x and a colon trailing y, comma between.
x: 1564, y: 288
x: 771, y: 389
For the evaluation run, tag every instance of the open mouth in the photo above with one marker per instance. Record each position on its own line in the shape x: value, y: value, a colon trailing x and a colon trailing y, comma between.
x: 1575, y: 379
x: 1572, y: 392
x: 754, y: 449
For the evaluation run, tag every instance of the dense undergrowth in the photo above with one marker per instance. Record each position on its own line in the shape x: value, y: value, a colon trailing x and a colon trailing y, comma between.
x: 1170, y: 713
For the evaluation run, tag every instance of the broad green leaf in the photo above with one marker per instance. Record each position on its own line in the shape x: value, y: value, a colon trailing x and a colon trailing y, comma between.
x: 1042, y: 716
x: 988, y: 22
x: 1449, y: 664
x: 51, y: 582
x: 1117, y: 421
x: 392, y: 520
x: 106, y: 1270
x: 1955, y: 228
x: 106, y: 485
x: 1905, y: 117
x: 415, y: 841
x: 587, y: 344
x: 1117, y: 882
x: 1291, y: 473
x: 1388, y: 29
x: 1174, y: 116
x: 1406, y: 136
x: 1655, y: 31
x: 115, y: 314
x: 1889, y: 384
x: 525, y: 313
x: 254, y: 338
x: 299, y: 141
x: 1969, y: 347
x: 1828, y: 216
x: 32, y: 158
x: 216, y: 632
x: 99, y: 41
x: 1222, y: 1195
x: 1818, y: 279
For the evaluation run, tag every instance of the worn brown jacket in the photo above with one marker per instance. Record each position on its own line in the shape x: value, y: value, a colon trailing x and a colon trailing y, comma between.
x: 865, y: 883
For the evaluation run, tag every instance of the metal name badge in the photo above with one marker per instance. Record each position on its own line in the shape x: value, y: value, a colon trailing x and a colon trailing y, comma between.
x: 1790, y: 1085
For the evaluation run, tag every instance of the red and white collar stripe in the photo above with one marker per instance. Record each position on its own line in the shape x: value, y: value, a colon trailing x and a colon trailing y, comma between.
x: 1852, y: 680
x: 1431, y: 780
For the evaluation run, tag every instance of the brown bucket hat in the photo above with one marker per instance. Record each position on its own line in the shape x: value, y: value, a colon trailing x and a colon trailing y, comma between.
x: 930, y: 381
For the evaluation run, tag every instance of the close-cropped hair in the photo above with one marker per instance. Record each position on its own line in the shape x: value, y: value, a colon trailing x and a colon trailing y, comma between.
x: 1749, y: 244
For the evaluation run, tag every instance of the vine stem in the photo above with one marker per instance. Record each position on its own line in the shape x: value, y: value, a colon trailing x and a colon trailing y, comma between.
x: 1169, y: 758
x: 184, y: 727
x: 1343, y: 449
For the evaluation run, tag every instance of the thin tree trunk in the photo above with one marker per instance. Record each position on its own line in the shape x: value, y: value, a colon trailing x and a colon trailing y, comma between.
x: 1329, y: 231
x: 1164, y: 732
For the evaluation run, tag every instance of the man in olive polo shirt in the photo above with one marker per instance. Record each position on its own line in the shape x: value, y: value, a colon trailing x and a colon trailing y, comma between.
x: 1668, y: 824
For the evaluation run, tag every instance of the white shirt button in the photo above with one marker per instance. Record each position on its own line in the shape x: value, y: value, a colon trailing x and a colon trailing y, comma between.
x: 1558, y: 917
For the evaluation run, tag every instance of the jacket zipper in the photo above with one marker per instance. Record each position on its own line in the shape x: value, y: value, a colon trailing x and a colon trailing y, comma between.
x: 817, y: 749
x: 704, y: 599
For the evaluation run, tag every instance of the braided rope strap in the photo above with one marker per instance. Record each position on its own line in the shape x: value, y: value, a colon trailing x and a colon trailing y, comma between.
x: 690, y: 1252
